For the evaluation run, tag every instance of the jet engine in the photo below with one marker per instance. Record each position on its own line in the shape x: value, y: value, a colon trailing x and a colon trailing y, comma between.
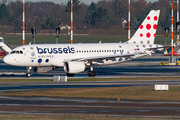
x: 74, y: 67
x: 42, y: 69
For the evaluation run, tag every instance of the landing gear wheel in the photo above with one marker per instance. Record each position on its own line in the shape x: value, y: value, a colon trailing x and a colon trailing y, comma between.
x: 70, y: 75
x: 91, y: 73
x: 28, y: 75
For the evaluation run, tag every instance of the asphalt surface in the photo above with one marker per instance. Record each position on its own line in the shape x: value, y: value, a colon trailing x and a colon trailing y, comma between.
x: 88, y: 106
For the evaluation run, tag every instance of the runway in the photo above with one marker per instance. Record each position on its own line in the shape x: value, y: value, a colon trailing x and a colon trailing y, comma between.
x: 88, y: 106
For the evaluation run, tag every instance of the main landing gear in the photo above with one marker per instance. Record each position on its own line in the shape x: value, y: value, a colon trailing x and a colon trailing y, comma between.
x: 28, y: 74
x: 91, y: 72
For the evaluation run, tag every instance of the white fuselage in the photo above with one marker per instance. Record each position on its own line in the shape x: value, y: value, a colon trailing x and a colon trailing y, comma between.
x: 56, y: 54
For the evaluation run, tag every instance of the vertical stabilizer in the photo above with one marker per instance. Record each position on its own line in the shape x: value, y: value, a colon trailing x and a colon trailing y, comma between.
x: 147, y: 30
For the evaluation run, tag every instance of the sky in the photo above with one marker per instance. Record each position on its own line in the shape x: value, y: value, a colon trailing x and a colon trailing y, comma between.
x: 65, y: 1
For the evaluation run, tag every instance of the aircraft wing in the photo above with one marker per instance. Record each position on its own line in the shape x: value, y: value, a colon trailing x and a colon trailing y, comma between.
x: 96, y: 58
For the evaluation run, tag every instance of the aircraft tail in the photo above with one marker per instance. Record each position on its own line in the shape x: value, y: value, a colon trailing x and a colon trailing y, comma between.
x: 147, y: 30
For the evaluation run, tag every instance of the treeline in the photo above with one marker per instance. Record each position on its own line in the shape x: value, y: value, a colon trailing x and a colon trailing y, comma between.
x: 103, y: 17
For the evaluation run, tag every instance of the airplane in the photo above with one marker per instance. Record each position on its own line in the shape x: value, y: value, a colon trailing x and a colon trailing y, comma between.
x: 76, y: 58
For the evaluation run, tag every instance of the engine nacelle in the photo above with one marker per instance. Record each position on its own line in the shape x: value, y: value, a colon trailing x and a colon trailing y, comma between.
x: 42, y: 69
x: 74, y: 67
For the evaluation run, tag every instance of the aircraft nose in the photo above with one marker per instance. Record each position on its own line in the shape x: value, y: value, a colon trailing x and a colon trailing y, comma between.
x: 8, y: 60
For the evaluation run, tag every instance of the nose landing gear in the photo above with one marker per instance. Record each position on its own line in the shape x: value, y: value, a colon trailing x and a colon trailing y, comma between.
x: 28, y: 74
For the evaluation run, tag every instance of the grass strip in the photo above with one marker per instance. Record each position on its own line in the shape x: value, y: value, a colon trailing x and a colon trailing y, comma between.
x: 134, y: 93
x: 89, y: 79
x: 70, y: 117
x: 15, y: 41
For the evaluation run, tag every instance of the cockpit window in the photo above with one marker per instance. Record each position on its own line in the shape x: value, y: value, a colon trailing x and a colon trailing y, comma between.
x: 17, y: 52
x: 13, y: 52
